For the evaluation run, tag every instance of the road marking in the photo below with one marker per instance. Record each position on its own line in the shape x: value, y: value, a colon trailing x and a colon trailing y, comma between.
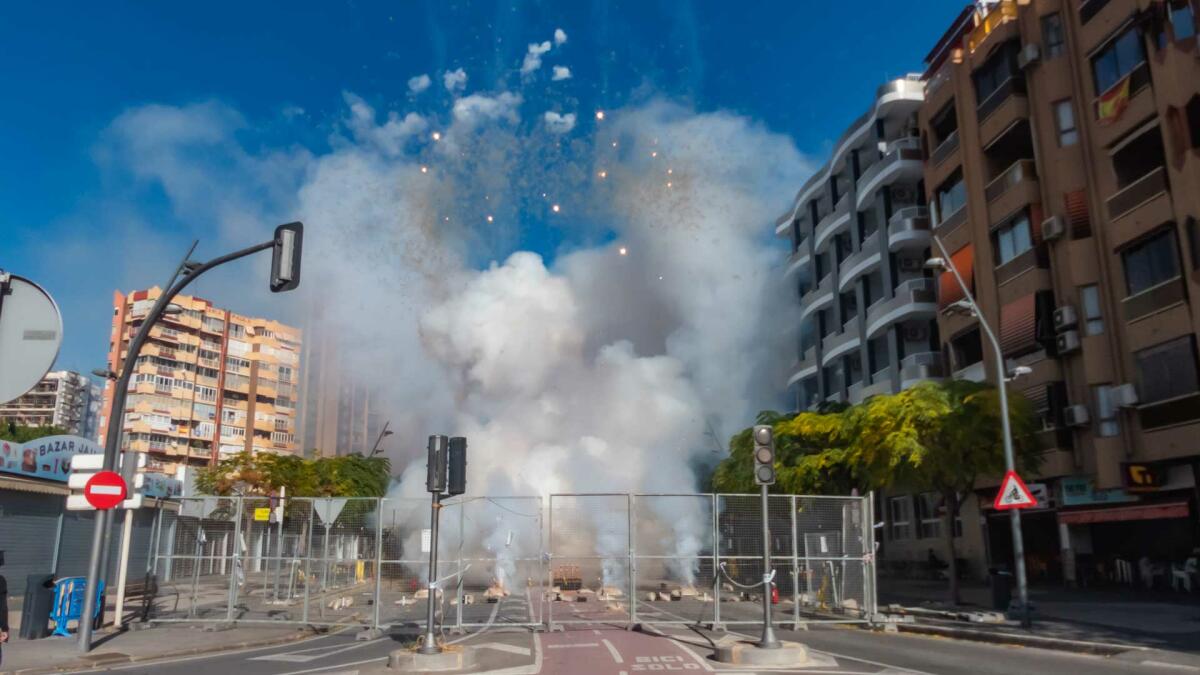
x: 613, y: 650
x: 577, y: 644
x: 850, y: 658
x: 1164, y: 664
x: 211, y: 655
x: 597, y: 632
x: 339, y: 665
x: 501, y: 647
x: 303, y: 655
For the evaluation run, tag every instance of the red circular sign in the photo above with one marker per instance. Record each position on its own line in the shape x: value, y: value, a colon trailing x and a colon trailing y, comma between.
x: 105, y: 490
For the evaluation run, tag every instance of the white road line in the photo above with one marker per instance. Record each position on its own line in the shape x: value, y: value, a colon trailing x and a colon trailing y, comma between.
x: 212, y: 655
x: 577, y: 644
x: 338, y: 665
x: 851, y: 658
x: 597, y: 632
x: 1164, y: 664
x: 302, y: 655
x: 613, y: 650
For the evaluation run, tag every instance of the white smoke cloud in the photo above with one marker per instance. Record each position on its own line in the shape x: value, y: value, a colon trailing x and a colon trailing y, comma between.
x: 533, y: 57
x: 561, y: 73
x: 597, y: 372
x: 455, y: 80
x: 420, y: 83
x: 559, y: 124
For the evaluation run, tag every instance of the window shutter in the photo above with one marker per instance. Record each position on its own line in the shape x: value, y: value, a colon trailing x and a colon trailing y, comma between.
x: 1077, y: 214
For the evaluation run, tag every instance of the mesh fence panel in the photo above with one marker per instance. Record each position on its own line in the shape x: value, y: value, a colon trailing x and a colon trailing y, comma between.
x: 590, y: 559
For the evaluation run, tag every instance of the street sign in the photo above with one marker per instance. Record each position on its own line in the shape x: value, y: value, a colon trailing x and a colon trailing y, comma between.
x: 30, y: 335
x: 1013, y: 494
x: 328, y: 508
x: 262, y: 514
x: 105, y: 490
x: 426, y: 540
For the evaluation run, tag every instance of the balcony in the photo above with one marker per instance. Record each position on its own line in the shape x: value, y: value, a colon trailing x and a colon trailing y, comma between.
x: 1137, y: 193
x: 841, y: 343
x: 901, y: 161
x: 939, y: 79
x: 798, y: 259
x: 909, y: 228
x: 945, y: 148
x: 1019, y: 172
x: 805, y: 367
x: 818, y: 298
x: 860, y: 262
x: 834, y: 223
x: 1154, y: 299
x: 854, y: 393
x: 976, y: 372
x: 914, y: 298
x: 1013, y: 86
x: 881, y: 384
x: 1000, y: 14
x: 920, y: 367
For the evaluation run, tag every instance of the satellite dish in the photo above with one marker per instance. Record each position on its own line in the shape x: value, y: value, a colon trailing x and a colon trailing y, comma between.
x: 30, y: 335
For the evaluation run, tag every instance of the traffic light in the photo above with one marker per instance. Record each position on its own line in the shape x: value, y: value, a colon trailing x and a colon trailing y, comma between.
x: 764, y: 455
x: 435, y: 469
x: 285, y: 257
x: 458, y: 466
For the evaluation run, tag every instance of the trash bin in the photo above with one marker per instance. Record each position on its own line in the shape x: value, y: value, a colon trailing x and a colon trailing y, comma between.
x: 1002, y: 583
x: 35, y: 613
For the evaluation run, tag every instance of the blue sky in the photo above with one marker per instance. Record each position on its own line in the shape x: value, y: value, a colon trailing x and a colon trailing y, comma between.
x: 803, y: 69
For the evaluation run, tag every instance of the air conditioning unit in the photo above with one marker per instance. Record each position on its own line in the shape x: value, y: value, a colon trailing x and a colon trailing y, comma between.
x: 1065, y: 317
x: 1067, y: 342
x: 1076, y: 415
x: 1053, y: 229
x: 1030, y: 54
x: 911, y: 264
x: 1124, y: 395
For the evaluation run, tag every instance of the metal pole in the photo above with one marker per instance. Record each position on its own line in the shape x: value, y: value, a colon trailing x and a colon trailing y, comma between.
x: 768, y: 634
x: 233, y: 567
x: 716, y: 544
x: 795, y: 570
x: 116, y: 418
x: 632, y: 560
x: 1006, y: 429
x: 378, y: 556
x: 122, y: 568
x: 58, y: 532
x: 430, y: 645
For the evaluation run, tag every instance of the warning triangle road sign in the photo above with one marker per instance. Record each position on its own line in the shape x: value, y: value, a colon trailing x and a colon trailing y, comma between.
x: 1013, y: 494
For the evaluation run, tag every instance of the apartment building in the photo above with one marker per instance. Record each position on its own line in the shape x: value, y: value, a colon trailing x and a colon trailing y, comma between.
x: 859, y: 231
x: 1062, y: 145
x: 208, y: 382
x: 339, y: 413
x: 62, y: 398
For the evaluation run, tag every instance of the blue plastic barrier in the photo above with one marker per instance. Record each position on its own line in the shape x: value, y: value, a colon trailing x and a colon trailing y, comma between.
x: 68, y: 602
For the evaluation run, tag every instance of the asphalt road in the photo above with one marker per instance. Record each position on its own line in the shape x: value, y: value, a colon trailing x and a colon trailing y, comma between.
x: 594, y: 641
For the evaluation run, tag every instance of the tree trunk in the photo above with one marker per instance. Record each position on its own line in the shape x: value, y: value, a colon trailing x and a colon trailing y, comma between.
x: 952, y: 506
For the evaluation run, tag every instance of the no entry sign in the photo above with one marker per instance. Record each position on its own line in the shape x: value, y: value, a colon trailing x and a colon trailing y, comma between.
x: 105, y: 490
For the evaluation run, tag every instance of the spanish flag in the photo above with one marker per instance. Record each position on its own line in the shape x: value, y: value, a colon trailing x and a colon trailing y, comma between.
x: 1114, y: 101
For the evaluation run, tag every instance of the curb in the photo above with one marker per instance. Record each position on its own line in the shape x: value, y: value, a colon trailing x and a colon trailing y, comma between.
x: 1038, y: 641
x: 100, y: 660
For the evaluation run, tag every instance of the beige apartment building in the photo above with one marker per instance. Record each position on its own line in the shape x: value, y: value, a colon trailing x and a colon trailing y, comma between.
x: 209, y: 382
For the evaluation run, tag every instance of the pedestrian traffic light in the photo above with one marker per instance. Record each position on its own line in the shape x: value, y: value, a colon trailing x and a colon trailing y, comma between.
x: 435, y: 469
x: 764, y: 455
x: 458, y: 466
x: 285, y: 257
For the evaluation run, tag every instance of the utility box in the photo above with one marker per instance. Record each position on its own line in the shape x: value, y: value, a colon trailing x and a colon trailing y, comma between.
x: 35, y: 613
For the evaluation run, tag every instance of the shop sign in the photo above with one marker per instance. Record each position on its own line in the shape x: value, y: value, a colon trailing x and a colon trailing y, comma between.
x: 1081, y: 491
x: 48, y: 457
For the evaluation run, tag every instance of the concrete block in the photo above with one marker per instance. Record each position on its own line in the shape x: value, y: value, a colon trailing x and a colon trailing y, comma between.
x: 787, y: 655
x: 450, y: 659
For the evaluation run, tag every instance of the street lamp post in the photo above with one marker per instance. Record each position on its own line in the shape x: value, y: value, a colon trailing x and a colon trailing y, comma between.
x: 1009, y: 459
x: 285, y: 275
x: 384, y: 432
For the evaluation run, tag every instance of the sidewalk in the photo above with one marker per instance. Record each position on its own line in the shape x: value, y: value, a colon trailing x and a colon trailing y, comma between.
x: 1167, y: 621
x: 54, y: 654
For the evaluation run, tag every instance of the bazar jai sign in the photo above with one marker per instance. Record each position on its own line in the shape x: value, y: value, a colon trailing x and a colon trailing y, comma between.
x: 48, y: 457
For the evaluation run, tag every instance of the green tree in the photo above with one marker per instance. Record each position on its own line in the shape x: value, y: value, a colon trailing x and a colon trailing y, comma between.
x: 262, y: 474
x: 23, y: 434
x: 934, y: 436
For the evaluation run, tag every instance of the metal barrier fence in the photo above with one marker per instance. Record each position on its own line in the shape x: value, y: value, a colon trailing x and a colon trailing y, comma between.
x: 517, y: 561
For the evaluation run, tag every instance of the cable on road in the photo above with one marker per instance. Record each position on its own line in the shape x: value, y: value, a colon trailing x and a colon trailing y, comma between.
x: 767, y: 578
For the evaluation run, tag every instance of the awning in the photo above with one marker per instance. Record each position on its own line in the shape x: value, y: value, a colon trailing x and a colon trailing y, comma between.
x: 33, y: 485
x: 1124, y: 513
x: 948, y: 289
x: 1018, y: 325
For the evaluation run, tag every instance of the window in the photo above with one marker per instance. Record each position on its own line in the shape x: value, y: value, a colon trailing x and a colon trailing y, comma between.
x: 930, y: 525
x: 1150, y: 262
x: 1089, y: 301
x: 1107, y: 424
x: 996, y: 72
x: 1013, y: 239
x: 1183, y: 19
x: 1167, y: 370
x: 1052, y: 35
x: 1117, y: 60
x: 900, y: 513
x: 1139, y: 156
x: 1064, y: 119
x: 951, y: 197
